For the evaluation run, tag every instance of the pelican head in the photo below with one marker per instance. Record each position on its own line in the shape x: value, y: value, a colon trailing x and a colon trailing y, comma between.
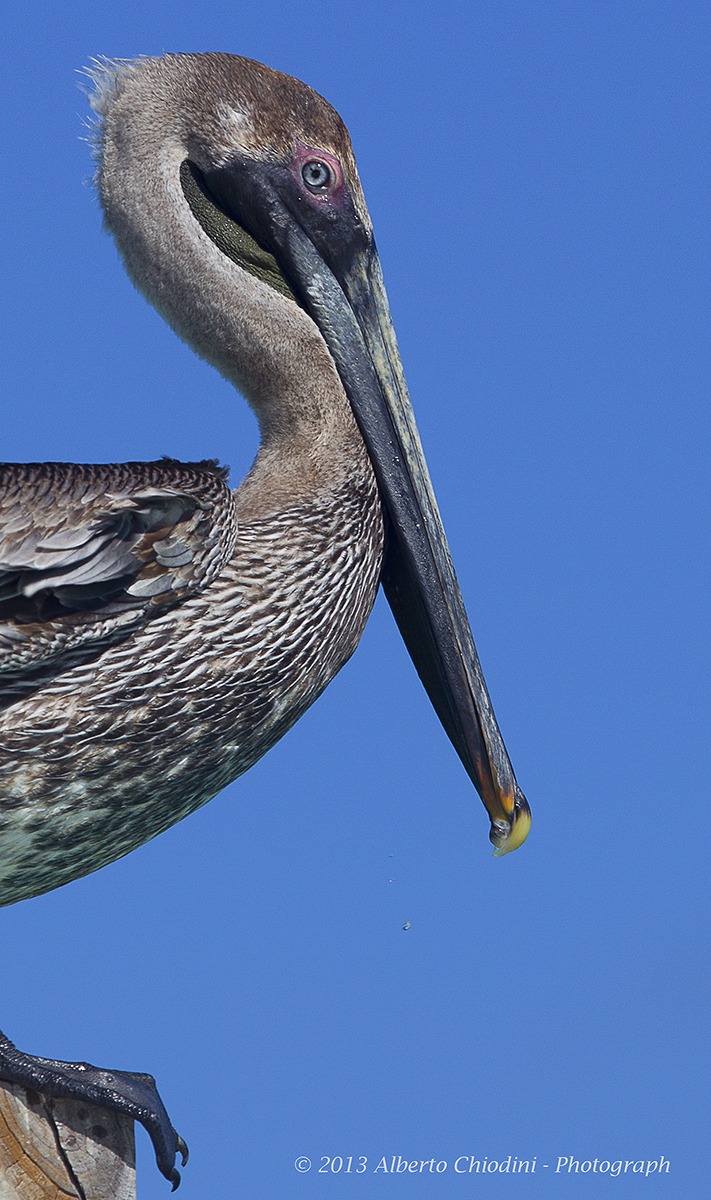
x: 243, y: 220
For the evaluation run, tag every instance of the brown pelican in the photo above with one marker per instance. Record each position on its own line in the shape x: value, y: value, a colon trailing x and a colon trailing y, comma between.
x: 158, y: 632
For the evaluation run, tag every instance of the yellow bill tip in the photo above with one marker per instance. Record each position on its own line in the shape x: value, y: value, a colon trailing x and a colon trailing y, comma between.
x: 507, y: 840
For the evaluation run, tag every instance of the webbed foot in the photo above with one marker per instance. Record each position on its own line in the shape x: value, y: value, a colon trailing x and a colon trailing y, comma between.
x: 123, y: 1091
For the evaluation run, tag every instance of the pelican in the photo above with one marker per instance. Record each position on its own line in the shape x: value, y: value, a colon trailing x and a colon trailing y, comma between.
x: 160, y: 632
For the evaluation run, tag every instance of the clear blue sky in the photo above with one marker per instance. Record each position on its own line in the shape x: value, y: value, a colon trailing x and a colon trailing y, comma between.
x: 537, y: 176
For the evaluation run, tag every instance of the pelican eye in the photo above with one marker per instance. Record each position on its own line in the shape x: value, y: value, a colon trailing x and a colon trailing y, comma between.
x: 318, y: 176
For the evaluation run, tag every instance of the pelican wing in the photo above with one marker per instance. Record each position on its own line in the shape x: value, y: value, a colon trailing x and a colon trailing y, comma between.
x: 89, y: 551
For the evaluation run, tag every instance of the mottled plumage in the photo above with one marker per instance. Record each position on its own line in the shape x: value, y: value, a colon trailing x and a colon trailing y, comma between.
x: 114, y: 740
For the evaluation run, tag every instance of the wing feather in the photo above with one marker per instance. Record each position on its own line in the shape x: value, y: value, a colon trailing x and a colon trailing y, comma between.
x: 89, y: 551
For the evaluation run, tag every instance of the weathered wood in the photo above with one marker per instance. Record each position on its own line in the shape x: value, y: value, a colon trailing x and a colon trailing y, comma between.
x: 63, y: 1149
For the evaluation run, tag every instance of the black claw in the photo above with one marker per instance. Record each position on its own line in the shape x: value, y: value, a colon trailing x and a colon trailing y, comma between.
x: 128, y: 1092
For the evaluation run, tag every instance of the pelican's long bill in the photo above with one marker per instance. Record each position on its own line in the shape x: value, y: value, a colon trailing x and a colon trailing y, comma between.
x: 314, y: 232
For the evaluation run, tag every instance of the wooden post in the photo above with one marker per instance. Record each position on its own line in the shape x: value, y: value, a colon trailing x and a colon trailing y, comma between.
x: 63, y: 1149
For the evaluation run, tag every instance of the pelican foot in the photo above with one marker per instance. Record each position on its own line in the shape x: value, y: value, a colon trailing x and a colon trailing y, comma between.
x: 126, y: 1092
